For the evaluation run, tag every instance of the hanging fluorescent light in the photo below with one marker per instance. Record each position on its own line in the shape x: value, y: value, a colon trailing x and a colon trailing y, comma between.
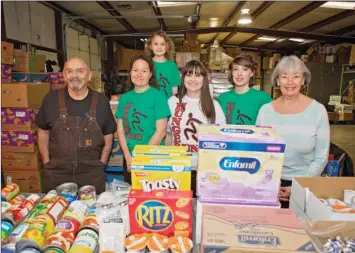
x: 296, y: 39
x: 340, y: 5
x: 171, y: 4
x: 214, y: 22
x: 266, y: 38
x: 245, y: 17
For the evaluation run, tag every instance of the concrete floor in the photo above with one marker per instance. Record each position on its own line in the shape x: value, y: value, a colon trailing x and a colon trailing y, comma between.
x: 344, y: 137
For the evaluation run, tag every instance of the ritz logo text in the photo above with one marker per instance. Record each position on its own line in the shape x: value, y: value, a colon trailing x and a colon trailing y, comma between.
x: 154, y: 215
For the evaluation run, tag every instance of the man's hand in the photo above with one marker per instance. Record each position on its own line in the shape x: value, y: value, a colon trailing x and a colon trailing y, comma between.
x: 43, y: 144
x: 128, y: 158
x: 106, y: 151
x: 285, y: 193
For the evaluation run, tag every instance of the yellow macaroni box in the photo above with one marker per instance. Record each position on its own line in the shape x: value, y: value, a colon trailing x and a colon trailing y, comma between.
x: 159, y: 150
x: 161, y: 173
x: 239, y: 164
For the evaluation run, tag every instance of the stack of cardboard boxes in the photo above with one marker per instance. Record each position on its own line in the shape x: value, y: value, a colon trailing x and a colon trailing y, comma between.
x: 20, y: 104
x: 189, y: 50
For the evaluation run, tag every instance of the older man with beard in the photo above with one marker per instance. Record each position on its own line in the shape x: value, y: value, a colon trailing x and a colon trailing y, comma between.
x: 75, y: 132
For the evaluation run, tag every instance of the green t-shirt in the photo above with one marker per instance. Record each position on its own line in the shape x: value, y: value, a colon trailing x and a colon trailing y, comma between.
x: 167, y: 75
x: 242, y: 109
x: 139, y: 113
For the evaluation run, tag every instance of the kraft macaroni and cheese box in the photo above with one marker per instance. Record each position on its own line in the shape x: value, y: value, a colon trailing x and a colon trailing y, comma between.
x: 239, y: 164
x: 159, y: 150
x: 236, y: 229
x: 157, y: 172
x: 165, y: 212
x: 19, y: 118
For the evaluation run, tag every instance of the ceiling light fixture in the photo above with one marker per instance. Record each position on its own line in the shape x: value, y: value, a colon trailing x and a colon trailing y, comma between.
x: 340, y: 5
x: 171, y: 4
x: 266, y: 38
x: 296, y: 39
x: 213, y: 22
x: 245, y: 17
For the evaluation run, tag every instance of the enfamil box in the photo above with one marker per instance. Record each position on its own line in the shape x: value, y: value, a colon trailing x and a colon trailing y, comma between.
x: 239, y: 164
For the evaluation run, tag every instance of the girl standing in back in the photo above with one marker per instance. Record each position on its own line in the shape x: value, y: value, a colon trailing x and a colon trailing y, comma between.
x: 190, y: 108
x: 242, y: 104
x: 142, y: 113
x: 161, y: 49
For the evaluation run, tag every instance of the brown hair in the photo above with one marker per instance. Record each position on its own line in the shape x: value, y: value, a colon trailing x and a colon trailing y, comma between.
x: 152, y: 80
x: 206, y: 100
x: 245, y: 60
x: 170, y: 48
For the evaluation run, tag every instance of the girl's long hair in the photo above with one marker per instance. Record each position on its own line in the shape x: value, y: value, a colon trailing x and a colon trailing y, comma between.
x: 170, y: 48
x: 206, y: 100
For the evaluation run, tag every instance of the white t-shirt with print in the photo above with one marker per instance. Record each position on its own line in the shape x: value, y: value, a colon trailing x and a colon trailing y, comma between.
x: 183, y: 124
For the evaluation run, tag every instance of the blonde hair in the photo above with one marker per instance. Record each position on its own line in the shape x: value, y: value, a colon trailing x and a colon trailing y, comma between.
x: 170, y: 49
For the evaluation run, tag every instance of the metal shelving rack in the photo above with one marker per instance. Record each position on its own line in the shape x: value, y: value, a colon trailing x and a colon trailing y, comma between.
x: 346, y: 69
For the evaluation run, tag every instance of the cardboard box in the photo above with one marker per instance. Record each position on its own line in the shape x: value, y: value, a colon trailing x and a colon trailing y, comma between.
x: 116, y: 158
x: 166, y: 212
x: 7, y: 53
x: 332, y: 116
x: 23, y: 95
x: 306, y: 192
x: 319, y: 58
x: 236, y: 229
x: 191, y: 37
x: 330, y: 58
x: 29, y: 181
x: 266, y: 62
x: 151, y: 173
x: 19, y: 118
x: 11, y: 161
x: 124, y: 56
x: 183, y: 58
x: 6, y: 73
x: 346, y: 116
x: 56, y: 79
x: 27, y: 62
x: 195, y: 47
x: 159, y: 150
x: 239, y: 164
x: 19, y: 141
x: 30, y: 77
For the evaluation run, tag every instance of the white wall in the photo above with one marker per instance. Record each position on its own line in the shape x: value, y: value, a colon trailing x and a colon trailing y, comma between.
x: 30, y: 22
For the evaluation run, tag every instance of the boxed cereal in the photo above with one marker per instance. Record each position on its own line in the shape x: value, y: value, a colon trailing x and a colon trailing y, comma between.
x: 239, y: 164
x: 161, y: 173
x: 18, y: 141
x: 237, y: 229
x: 19, y: 118
x: 165, y: 212
x: 6, y: 73
x: 159, y: 150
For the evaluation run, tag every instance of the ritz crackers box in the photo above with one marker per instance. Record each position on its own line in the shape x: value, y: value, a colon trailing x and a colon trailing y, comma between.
x: 165, y: 212
x: 161, y: 173
x: 19, y: 118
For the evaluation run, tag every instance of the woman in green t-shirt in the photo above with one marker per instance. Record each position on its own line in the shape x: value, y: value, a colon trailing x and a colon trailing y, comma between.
x: 242, y: 104
x: 142, y: 113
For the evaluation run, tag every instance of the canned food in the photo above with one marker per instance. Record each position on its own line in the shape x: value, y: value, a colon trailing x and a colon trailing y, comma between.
x: 61, y: 240
x: 69, y: 225
x: 136, y: 242
x: 56, y: 209
x: 8, y: 248
x: 53, y: 250
x: 158, y: 243
x: 85, y: 242
x: 90, y: 220
x: 5, y: 206
x: 87, y: 194
x: 19, y: 214
x: 51, y: 194
x: 77, y: 210
x: 180, y: 244
x: 45, y: 220
x: 68, y: 191
x: 34, y: 199
x: 30, y: 250
x: 9, y: 192
x: 9, y: 217
x: 35, y: 212
x: 18, y: 232
x: 19, y: 199
x: 6, y: 228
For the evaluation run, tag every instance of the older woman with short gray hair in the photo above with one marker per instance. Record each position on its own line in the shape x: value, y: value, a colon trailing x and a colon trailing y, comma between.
x: 301, y: 121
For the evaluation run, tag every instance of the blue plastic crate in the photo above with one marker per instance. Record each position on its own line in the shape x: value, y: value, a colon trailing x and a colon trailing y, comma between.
x: 114, y: 169
x: 111, y: 176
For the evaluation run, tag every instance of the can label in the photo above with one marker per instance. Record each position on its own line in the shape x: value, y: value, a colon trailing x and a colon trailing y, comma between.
x: 69, y: 197
x: 19, y: 231
x: 87, y: 194
x: 53, y: 250
x: 91, y: 222
x: 35, y: 212
x: 5, y: 206
x: 67, y: 225
x: 85, y: 242
x: 51, y: 194
x: 6, y: 228
x: 44, y: 224
x: 77, y: 210
x: 60, y: 240
x: 57, y: 209
x: 9, y: 192
x: 19, y: 199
